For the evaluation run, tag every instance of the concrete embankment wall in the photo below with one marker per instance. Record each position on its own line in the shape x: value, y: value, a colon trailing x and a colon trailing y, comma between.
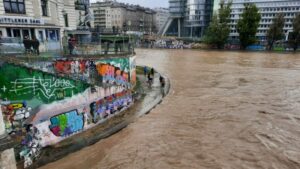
x: 42, y: 106
x: 61, y: 119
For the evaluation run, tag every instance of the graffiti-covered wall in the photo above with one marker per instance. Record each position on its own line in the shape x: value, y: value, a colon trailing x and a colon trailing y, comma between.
x: 79, y: 116
x: 49, y: 101
x: 115, y: 71
x: 35, y: 87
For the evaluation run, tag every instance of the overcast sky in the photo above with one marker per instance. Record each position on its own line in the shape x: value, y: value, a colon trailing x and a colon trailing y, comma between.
x: 146, y: 3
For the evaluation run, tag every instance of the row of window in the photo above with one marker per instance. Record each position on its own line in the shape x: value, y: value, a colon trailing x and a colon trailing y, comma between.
x: 270, y: 9
x: 270, y: 15
x: 273, y: 14
x: 51, y: 34
x: 18, y: 6
x: 270, y: 20
x: 264, y: 21
x: 281, y: 9
x: 259, y: 31
x: 264, y: 26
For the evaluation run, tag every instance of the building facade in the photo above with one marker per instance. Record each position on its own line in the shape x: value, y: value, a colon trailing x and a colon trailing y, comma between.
x: 268, y: 9
x: 188, y: 18
x: 161, y: 17
x: 123, y: 17
x: 46, y: 20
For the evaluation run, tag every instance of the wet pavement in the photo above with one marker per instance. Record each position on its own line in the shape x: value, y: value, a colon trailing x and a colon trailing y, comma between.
x: 225, y: 110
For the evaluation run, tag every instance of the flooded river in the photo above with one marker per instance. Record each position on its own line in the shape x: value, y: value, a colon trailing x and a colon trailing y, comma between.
x: 225, y: 110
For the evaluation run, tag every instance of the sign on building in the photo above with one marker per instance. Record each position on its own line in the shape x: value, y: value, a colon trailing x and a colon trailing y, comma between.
x: 20, y: 20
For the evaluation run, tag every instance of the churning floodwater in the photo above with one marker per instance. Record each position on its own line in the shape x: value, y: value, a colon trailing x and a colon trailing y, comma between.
x: 225, y: 110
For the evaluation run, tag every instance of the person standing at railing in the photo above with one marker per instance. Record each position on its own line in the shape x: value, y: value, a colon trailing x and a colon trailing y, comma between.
x: 27, y: 45
x: 71, y: 44
x: 36, y: 45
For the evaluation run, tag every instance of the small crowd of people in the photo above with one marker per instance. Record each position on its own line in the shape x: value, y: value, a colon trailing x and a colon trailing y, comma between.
x: 150, y: 76
x: 31, y: 45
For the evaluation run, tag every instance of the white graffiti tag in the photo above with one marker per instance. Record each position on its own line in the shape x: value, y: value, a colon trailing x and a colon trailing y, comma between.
x: 47, y: 87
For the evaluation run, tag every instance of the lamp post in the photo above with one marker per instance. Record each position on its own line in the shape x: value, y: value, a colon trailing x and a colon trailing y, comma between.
x: 129, y: 24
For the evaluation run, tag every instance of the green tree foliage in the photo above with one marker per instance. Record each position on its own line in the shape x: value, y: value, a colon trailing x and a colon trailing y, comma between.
x: 276, y: 31
x: 294, y: 37
x: 218, y: 30
x: 248, y: 24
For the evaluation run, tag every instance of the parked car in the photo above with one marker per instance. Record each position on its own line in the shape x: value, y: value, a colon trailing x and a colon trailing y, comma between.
x: 11, y: 45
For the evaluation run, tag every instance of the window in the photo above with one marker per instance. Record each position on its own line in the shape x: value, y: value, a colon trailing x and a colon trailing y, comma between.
x: 66, y: 20
x: 44, y: 5
x: 16, y: 33
x: 8, y: 30
x: 41, y: 36
x: 14, y: 6
x: 52, y: 35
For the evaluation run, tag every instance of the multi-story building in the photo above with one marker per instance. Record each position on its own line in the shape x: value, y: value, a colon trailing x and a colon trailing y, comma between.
x: 216, y: 5
x: 161, y: 17
x: 188, y: 18
x: 114, y: 15
x: 268, y: 10
x: 46, y: 20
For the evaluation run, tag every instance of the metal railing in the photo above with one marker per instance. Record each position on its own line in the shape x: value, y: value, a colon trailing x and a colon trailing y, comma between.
x: 83, y: 48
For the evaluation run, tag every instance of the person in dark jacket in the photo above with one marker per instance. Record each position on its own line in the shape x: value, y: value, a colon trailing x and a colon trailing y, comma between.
x: 152, y: 72
x: 27, y: 45
x: 36, y: 45
x: 71, y: 44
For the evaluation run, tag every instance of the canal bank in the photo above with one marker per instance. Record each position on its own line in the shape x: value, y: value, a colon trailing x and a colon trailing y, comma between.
x: 146, y: 98
x: 225, y: 110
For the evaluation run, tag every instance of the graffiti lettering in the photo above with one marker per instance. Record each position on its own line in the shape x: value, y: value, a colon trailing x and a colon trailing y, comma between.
x: 109, y: 105
x: 47, y: 87
x: 67, y: 123
x: 112, y: 75
x: 68, y: 67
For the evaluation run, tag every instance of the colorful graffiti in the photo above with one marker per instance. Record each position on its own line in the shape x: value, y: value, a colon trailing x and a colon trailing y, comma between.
x: 112, y: 75
x: 14, y: 115
x: 31, y: 145
x: 122, y: 63
x: 114, y: 71
x: 109, y: 105
x: 32, y: 100
x: 71, y: 66
x: 36, y: 87
x: 119, y: 71
x: 67, y: 123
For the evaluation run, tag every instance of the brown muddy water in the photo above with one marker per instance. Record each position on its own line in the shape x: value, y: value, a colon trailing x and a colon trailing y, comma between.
x: 225, y: 110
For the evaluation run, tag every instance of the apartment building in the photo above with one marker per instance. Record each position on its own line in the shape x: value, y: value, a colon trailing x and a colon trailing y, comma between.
x: 119, y: 16
x: 161, y: 17
x: 268, y: 10
x: 47, y: 20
